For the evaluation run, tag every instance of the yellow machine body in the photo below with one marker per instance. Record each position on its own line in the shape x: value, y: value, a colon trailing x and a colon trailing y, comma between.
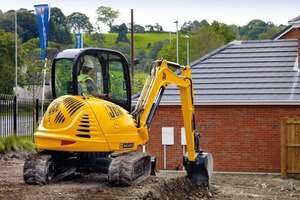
x: 73, y: 123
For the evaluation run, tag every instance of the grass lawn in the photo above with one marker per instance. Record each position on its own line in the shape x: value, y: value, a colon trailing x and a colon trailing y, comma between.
x: 141, y: 40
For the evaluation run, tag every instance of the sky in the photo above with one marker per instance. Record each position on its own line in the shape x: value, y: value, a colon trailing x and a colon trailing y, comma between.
x: 166, y: 12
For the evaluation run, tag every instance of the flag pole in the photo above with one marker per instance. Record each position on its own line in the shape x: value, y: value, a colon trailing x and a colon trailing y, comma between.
x: 43, y: 18
x: 44, y: 85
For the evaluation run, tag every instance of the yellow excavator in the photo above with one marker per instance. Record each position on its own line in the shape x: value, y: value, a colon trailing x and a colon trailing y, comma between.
x: 80, y: 133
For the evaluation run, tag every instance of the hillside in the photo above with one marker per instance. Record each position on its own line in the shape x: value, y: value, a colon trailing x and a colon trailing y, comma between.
x: 141, y: 40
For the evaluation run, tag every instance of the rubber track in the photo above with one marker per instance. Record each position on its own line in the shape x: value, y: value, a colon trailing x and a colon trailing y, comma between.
x: 123, y: 169
x: 36, y: 169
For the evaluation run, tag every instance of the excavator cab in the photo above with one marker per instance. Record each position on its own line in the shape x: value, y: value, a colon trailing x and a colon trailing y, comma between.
x: 110, y: 74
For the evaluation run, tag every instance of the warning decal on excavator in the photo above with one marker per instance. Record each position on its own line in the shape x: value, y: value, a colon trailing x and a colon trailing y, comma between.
x: 114, y: 112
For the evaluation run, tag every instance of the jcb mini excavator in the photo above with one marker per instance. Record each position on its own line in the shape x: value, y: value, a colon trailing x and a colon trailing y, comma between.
x: 79, y: 133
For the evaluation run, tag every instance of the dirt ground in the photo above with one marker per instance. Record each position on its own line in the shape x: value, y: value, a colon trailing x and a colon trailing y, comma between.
x: 165, y: 185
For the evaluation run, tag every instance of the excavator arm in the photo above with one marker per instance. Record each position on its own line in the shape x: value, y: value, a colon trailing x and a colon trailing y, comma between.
x: 197, y: 163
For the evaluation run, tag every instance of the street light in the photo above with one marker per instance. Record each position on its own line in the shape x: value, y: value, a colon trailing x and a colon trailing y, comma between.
x: 177, y: 57
x: 187, y: 49
x: 16, y: 45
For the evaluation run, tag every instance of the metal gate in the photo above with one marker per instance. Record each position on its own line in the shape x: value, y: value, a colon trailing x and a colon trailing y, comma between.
x: 20, y: 115
x: 290, y: 147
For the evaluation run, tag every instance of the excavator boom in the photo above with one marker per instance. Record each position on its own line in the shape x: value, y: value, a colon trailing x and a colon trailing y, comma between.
x: 199, y: 165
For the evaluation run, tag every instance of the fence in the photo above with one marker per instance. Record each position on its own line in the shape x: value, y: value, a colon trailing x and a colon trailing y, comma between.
x: 20, y: 115
x: 290, y: 147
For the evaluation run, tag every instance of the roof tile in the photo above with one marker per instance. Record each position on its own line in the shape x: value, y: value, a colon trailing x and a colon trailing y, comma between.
x: 260, y: 70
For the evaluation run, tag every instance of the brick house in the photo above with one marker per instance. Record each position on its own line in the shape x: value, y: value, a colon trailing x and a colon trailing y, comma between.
x: 242, y: 91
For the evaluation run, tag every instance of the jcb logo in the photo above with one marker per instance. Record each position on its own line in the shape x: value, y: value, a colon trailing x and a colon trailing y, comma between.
x: 114, y: 111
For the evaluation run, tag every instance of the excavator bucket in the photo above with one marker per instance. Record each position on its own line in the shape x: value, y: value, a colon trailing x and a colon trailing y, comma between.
x: 200, y: 170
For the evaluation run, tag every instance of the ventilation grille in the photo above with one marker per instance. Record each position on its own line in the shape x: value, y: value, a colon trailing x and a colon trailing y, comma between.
x: 72, y: 105
x: 60, y: 118
x: 84, y: 127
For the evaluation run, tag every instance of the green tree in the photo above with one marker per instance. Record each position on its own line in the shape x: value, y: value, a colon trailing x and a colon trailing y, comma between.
x: 253, y: 29
x: 123, y: 47
x: 157, y: 27
x: 156, y: 49
x: 203, y: 42
x: 235, y: 30
x: 149, y: 28
x: 31, y: 44
x: 26, y: 24
x: 192, y: 26
x: 114, y: 29
x: 6, y: 62
x: 59, y: 32
x: 187, y: 27
x: 107, y: 15
x: 271, y: 31
x: 200, y: 24
x: 145, y: 61
x: 138, y: 28
x: 123, y: 30
x: 137, y: 83
x: 224, y: 31
x: 7, y: 21
x: 99, y: 38
x: 168, y: 51
x: 79, y: 22
x: 33, y: 78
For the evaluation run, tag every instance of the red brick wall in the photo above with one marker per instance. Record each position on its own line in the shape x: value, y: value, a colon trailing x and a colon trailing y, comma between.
x: 293, y: 33
x: 240, y: 138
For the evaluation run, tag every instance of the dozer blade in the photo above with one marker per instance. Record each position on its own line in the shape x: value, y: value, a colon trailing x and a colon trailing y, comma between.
x: 130, y: 168
x: 200, y: 170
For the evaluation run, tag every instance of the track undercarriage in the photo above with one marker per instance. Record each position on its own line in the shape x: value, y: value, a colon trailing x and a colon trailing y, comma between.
x: 124, y: 170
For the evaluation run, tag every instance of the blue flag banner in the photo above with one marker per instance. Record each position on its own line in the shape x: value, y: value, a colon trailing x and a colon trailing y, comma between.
x: 43, y: 17
x: 78, y: 38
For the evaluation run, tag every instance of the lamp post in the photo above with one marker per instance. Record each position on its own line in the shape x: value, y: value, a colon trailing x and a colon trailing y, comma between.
x: 177, y: 57
x: 16, y: 47
x: 187, y: 49
x: 16, y: 53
